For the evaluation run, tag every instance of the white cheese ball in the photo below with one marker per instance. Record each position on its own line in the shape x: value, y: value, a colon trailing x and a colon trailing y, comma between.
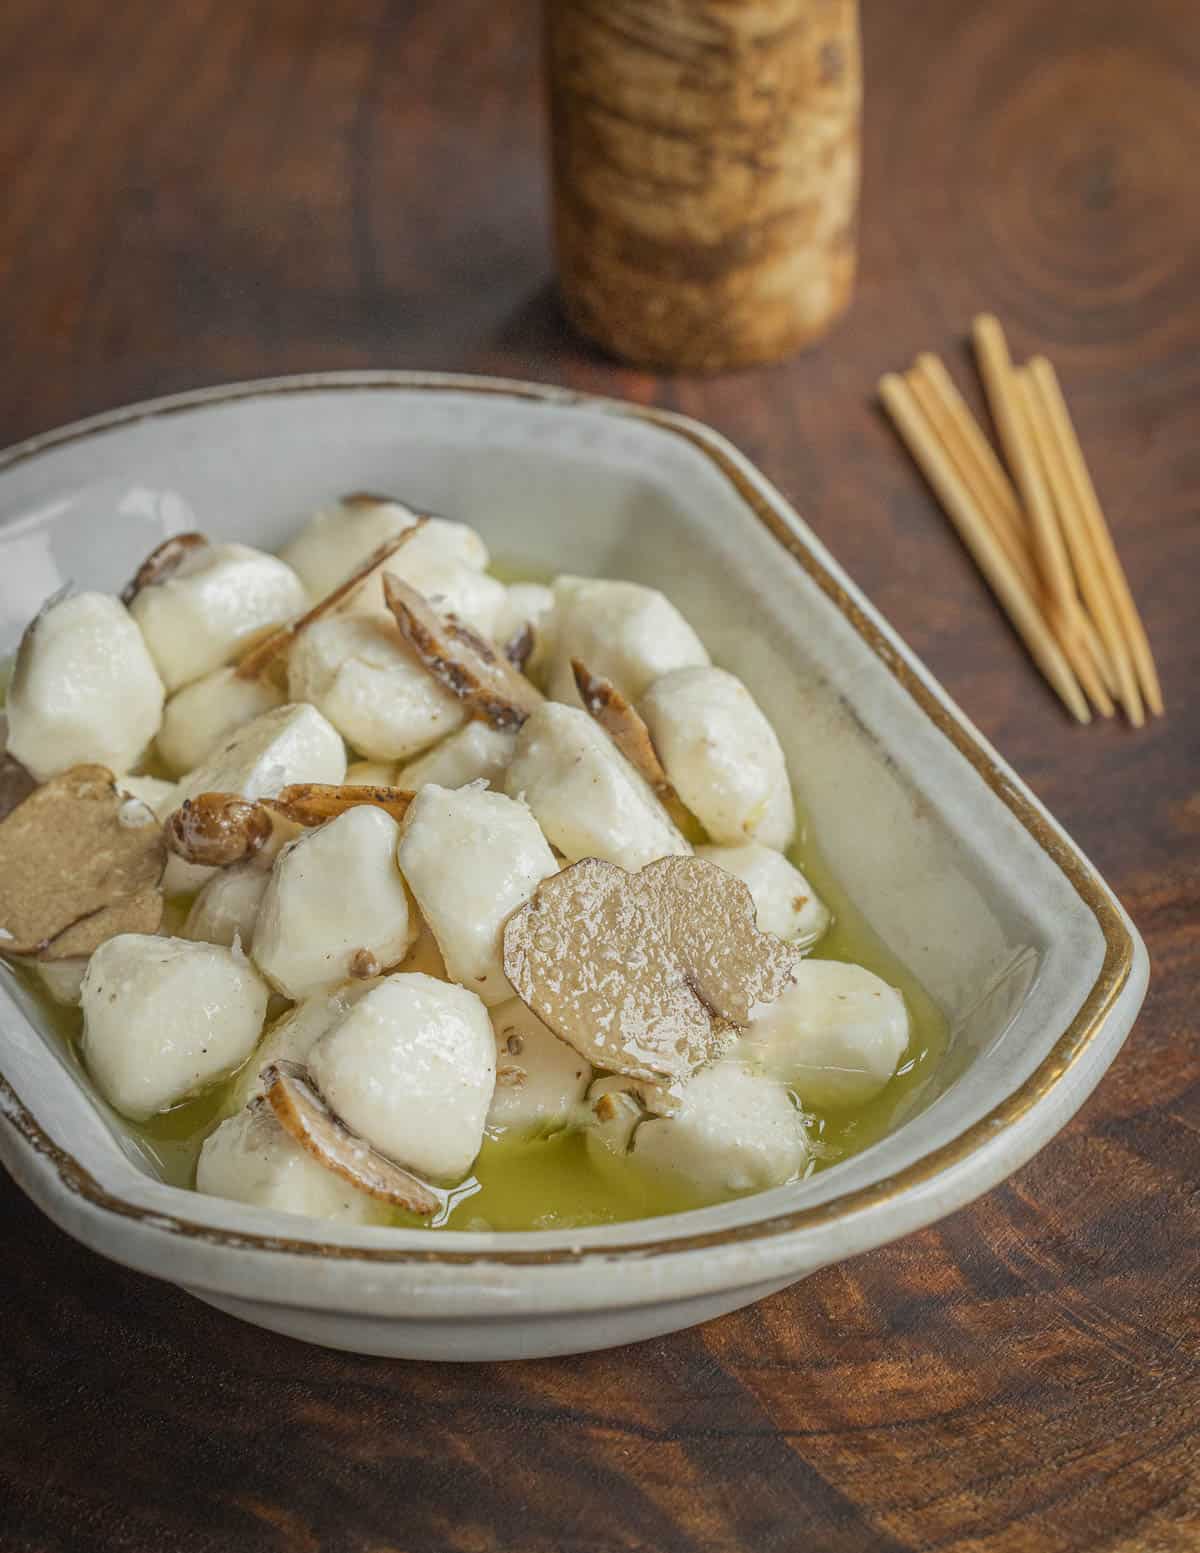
x: 629, y: 634
x: 251, y: 1159
x: 220, y: 596
x: 198, y: 717
x: 362, y: 676
x: 411, y: 1069
x: 286, y: 745
x: 335, y: 896
x: 475, y: 752
x: 472, y: 857
x: 371, y: 773
x: 734, y: 1131
x: 587, y: 798
x: 340, y: 539
x: 226, y: 909
x: 540, y: 1080
x: 529, y: 605
x: 62, y: 979
x: 835, y: 1036
x: 84, y: 689
x: 164, y: 1018
x: 722, y: 756
x: 292, y: 1036
x: 784, y: 902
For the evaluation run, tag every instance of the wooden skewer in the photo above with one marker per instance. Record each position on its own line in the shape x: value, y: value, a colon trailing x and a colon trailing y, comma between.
x: 981, y: 471
x: 1084, y: 661
x: 1088, y: 506
x: 976, y: 533
x: 1084, y: 558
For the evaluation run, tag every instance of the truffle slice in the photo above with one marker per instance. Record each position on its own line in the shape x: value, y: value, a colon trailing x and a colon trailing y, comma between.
x: 302, y: 1113
x: 644, y: 974
x: 483, y: 680
x: 80, y: 861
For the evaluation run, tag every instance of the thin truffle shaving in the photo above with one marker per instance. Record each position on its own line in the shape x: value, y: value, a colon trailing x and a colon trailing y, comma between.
x: 487, y: 684
x: 73, y: 871
x: 644, y: 974
x: 519, y: 647
x: 162, y: 562
x: 217, y: 829
x: 312, y: 803
x: 626, y: 727
x: 302, y: 1113
x: 259, y: 659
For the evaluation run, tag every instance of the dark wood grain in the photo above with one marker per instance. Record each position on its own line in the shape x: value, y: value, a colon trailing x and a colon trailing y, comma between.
x: 208, y: 191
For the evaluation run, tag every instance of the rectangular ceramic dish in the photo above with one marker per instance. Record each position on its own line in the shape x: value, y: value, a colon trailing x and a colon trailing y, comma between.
x: 956, y: 865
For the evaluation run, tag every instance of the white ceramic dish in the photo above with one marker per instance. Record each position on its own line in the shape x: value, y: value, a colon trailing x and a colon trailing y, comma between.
x: 956, y: 865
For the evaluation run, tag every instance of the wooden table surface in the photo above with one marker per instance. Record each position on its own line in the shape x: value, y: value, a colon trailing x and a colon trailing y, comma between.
x: 214, y: 190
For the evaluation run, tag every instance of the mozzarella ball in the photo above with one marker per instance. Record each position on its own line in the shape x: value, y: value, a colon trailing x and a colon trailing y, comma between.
x: 198, y: 617
x: 84, y: 689
x: 836, y: 1035
x: 371, y: 773
x: 472, y: 857
x: 629, y: 634
x: 587, y: 798
x: 475, y: 752
x: 286, y: 745
x: 529, y: 606
x: 251, y: 1159
x: 734, y: 1131
x: 226, y: 909
x: 62, y: 979
x: 784, y: 902
x: 292, y: 1036
x: 341, y: 538
x: 411, y: 1069
x: 358, y: 671
x: 334, y: 900
x: 158, y: 796
x: 164, y: 1018
x: 338, y: 539
x: 199, y: 716
x: 722, y: 756
x: 540, y: 1080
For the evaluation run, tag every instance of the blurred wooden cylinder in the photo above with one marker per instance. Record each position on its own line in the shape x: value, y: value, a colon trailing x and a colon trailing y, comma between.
x: 706, y: 167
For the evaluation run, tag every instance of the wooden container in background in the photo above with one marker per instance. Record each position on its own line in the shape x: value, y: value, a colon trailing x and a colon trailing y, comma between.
x: 705, y: 167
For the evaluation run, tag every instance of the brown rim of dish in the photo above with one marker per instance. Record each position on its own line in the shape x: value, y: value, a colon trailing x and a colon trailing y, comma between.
x: 1068, y: 1048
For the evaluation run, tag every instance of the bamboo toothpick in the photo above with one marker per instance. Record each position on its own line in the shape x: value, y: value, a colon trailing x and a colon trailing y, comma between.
x: 1010, y: 412
x: 999, y: 381
x: 989, y: 471
x: 951, y: 427
x: 981, y: 472
x: 976, y: 533
x: 1086, y: 663
x: 1098, y: 531
x: 1084, y: 556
